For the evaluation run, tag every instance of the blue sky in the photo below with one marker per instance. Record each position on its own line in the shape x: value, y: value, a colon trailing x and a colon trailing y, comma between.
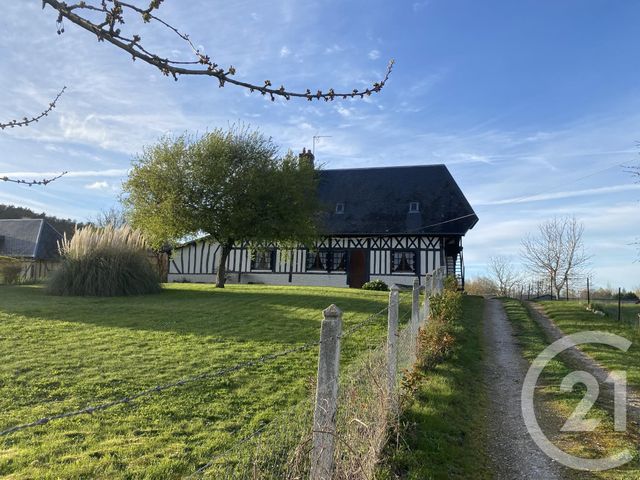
x: 533, y: 105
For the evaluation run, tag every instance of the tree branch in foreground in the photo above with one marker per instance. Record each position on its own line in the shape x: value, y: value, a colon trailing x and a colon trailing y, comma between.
x: 26, y: 121
x: 31, y: 183
x: 114, y: 17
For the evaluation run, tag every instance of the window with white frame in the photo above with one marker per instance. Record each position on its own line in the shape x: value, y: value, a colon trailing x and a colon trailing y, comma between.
x: 317, y: 260
x: 414, y: 207
x: 263, y: 259
x: 403, y: 261
x: 338, y: 260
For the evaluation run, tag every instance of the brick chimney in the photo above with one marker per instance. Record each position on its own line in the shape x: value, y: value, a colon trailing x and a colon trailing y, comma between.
x: 306, y: 157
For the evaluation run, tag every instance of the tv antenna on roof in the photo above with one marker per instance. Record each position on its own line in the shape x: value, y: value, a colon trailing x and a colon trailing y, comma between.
x: 315, y: 137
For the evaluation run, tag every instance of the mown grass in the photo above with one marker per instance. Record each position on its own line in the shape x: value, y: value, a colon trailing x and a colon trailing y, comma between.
x: 444, y: 423
x: 554, y: 407
x: 573, y: 317
x: 65, y: 353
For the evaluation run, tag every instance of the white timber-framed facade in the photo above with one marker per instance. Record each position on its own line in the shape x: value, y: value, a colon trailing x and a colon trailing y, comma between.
x: 415, y: 218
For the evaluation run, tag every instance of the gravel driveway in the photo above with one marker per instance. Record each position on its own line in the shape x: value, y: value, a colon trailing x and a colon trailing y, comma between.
x: 513, y: 453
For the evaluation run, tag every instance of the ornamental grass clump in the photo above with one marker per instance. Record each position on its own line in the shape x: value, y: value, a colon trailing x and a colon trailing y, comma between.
x: 104, y: 262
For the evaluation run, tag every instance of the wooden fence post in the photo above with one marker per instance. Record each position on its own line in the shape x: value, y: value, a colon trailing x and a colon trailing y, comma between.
x: 392, y: 344
x: 324, y: 417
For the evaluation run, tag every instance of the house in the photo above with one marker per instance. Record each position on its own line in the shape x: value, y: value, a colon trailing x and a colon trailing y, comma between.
x: 388, y: 223
x: 33, y: 242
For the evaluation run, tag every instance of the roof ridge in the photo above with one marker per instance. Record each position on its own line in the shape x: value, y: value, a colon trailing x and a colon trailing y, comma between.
x: 384, y: 167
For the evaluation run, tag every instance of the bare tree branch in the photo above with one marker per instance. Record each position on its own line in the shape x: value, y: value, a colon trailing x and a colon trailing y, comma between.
x: 26, y: 121
x: 31, y: 183
x: 114, y: 17
x: 503, y: 273
x: 557, y: 252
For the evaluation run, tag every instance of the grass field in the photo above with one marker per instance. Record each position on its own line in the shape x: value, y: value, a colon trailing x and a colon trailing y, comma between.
x: 445, y: 424
x: 554, y: 407
x: 572, y: 317
x: 62, y: 354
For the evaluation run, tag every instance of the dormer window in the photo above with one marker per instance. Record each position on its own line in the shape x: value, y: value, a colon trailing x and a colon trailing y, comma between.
x: 414, y: 207
x: 339, y: 208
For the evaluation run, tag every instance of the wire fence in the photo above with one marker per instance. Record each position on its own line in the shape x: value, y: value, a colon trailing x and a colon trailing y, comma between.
x: 282, y: 449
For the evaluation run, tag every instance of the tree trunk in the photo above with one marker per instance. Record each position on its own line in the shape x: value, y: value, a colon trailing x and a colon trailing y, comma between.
x: 221, y: 276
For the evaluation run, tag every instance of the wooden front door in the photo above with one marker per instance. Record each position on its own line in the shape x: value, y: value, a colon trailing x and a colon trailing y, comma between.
x: 358, y: 268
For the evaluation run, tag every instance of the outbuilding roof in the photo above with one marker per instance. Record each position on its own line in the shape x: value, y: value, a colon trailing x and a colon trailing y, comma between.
x: 423, y: 199
x: 28, y: 238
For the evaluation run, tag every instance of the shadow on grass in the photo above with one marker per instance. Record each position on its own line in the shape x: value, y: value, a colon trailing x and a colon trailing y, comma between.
x: 243, y: 313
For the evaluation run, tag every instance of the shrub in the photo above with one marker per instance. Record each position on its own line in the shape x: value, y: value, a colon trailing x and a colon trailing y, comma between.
x: 376, y: 285
x: 436, y: 340
x: 104, y: 262
x: 10, y: 270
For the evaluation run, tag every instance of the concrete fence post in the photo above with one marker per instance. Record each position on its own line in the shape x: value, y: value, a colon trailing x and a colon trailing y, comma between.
x: 392, y: 344
x: 440, y: 281
x: 324, y: 417
x: 428, y: 288
x: 415, y: 318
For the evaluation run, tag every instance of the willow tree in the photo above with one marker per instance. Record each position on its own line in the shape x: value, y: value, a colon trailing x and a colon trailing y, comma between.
x: 230, y: 185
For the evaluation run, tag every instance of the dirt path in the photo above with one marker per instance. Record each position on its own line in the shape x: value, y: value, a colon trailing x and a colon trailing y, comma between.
x: 513, y: 453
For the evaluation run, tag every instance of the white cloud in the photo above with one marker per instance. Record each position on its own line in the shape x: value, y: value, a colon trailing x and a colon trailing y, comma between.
x: 417, y: 6
x: 335, y: 48
x: 374, y: 54
x: 564, y: 194
x: 97, y: 185
x: 285, y: 52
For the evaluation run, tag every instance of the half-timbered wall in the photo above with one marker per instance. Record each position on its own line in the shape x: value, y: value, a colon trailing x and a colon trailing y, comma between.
x: 197, y: 261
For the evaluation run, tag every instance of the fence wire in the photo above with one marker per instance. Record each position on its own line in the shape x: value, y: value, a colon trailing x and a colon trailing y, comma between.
x: 281, y: 449
x: 222, y: 372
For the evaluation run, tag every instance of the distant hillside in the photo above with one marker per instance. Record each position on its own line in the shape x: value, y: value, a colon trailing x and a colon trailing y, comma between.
x: 62, y: 225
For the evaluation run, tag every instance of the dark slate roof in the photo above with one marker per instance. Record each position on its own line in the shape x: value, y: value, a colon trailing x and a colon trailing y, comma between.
x: 32, y: 238
x: 376, y: 201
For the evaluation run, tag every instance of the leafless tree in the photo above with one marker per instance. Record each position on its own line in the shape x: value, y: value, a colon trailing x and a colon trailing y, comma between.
x: 557, y: 252
x: 503, y: 273
x: 25, y: 122
x: 105, y: 19
x: 114, y: 217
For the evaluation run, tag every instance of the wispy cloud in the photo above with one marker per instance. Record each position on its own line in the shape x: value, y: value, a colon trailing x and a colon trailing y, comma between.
x: 285, y: 52
x: 97, y: 186
x: 374, y: 54
x: 560, y: 195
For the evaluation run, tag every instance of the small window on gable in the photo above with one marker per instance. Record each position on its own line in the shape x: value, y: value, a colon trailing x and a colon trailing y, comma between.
x: 339, y: 208
x: 414, y: 207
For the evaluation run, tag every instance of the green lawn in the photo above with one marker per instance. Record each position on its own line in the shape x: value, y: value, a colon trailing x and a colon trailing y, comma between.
x: 554, y: 406
x: 62, y: 354
x: 445, y: 422
x: 572, y: 317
